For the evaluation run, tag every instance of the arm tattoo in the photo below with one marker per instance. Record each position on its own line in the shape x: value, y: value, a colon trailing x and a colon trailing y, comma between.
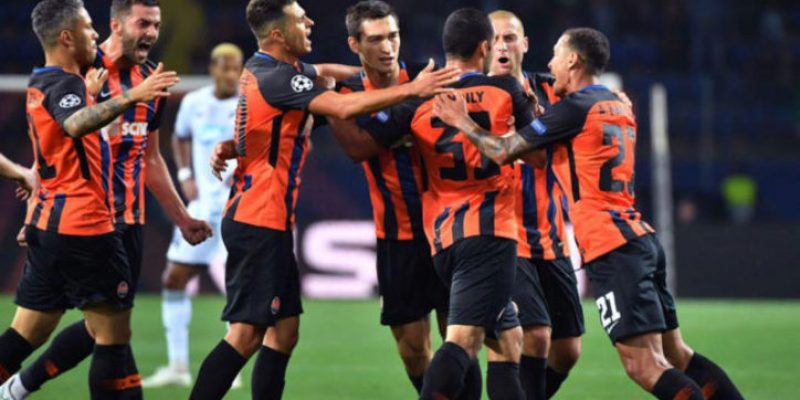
x: 90, y: 119
x: 501, y: 149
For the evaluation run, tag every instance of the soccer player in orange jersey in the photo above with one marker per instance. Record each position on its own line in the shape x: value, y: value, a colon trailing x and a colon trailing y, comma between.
x: 469, y: 212
x: 624, y: 260
x: 278, y: 95
x: 74, y: 257
x: 407, y: 282
x: 546, y: 289
x: 130, y: 160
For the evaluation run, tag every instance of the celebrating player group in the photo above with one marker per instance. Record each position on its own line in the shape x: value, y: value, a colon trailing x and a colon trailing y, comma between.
x: 474, y: 169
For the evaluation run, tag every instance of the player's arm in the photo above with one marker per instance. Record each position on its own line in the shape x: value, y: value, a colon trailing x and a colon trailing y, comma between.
x: 565, y: 120
x: 182, y: 150
x: 160, y: 184
x: 345, y: 106
x: 339, y: 72
x: 26, y: 178
x: 90, y: 119
x: 356, y: 142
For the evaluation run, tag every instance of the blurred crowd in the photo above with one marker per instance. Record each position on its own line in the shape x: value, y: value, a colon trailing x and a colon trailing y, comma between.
x: 730, y: 68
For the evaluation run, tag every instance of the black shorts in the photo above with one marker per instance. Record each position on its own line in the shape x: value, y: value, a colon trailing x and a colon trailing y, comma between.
x: 261, y: 276
x: 563, y: 300
x: 630, y: 286
x: 546, y: 293
x: 480, y: 273
x: 131, y: 236
x: 67, y: 271
x: 407, y: 281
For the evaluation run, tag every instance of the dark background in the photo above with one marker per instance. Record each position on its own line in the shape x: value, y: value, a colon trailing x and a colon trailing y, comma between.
x: 730, y: 69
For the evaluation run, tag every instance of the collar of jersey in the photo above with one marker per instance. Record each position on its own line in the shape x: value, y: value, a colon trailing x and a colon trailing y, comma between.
x: 265, y: 56
x: 46, y: 69
x: 468, y: 75
x: 593, y: 87
x: 363, y: 72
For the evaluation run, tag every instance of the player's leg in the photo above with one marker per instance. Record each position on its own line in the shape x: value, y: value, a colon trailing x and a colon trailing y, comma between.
x: 29, y: 330
x: 631, y: 312
x: 176, y: 314
x: 566, y: 314
x: 529, y: 297
x: 113, y: 373
x: 406, y: 280
x: 711, y: 378
x: 74, y: 343
x: 269, y: 371
x: 503, y: 380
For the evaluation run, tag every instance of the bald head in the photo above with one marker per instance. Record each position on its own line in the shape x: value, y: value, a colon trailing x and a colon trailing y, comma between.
x: 509, y: 46
x: 503, y: 16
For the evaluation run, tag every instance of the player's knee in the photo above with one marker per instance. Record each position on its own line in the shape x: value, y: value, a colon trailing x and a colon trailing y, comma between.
x: 679, y: 355
x: 536, y: 341
x: 245, y: 338
x: 173, y: 278
x: 564, y: 354
x: 644, y: 370
x: 413, y: 347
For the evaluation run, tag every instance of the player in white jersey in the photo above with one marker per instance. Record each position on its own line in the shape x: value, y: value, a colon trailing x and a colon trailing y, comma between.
x: 206, y: 117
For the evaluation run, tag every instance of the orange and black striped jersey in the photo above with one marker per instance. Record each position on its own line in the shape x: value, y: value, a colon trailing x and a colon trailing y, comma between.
x: 271, y: 141
x: 395, y: 176
x: 125, y: 141
x: 71, y: 200
x: 598, y: 132
x: 468, y: 194
x: 540, y: 210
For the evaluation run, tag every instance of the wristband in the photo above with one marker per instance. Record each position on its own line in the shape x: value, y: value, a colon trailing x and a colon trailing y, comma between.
x: 184, y: 174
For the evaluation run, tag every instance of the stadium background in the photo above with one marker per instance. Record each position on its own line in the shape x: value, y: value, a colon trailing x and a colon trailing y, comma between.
x: 730, y: 69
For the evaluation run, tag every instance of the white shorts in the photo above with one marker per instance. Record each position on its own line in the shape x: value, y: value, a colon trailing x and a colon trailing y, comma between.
x: 206, y: 253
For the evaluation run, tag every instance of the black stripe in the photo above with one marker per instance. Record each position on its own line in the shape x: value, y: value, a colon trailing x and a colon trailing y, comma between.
x: 241, y: 145
x: 232, y: 209
x: 408, y: 186
x: 248, y: 183
x: 573, y: 174
x: 437, y: 229
x: 458, y: 222
x: 622, y: 225
x: 234, y: 187
x: 55, y: 212
x: 390, y: 227
x: 37, y: 212
x: 486, y: 217
x: 82, y: 161
x: 125, y: 81
x: 275, y: 144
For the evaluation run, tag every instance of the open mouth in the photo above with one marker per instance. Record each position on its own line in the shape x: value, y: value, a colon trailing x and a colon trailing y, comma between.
x: 144, y: 46
x: 503, y: 60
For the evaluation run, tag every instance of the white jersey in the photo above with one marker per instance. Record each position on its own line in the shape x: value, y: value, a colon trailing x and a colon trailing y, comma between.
x: 207, y: 120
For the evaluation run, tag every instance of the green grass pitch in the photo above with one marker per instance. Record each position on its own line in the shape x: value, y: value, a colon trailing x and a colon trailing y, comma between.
x: 345, y: 354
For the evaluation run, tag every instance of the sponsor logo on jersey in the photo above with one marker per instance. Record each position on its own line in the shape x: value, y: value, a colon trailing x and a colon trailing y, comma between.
x: 134, y: 128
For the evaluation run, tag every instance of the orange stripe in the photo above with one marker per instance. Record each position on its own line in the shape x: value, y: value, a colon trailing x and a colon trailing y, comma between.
x: 128, y: 382
x: 709, y: 389
x: 684, y: 394
x: 52, y: 369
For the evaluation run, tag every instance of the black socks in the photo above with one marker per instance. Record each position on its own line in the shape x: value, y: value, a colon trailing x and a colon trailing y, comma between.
x: 445, y: 374
x: 269, y: 374
x: 13, y: 350
x: 113, y: 374
x: 674, y: 384
x: 553, y: 379
x: 712, y: 379
x: 72, y: 345
x: 218, y: 371
x: 503, y: 383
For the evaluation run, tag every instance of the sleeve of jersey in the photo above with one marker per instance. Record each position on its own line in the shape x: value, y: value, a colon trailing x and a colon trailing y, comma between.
x: 182, y: 121
x: 523, y: 108
x: 65, y: 97
x: 562, y: 122
x: 155, y: 123
x: 288, y: 89
x: 390, y: 125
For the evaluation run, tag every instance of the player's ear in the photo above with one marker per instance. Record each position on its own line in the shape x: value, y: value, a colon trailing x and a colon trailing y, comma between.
x: 66, y: 38
x: 353, y: 44
x: 116, y: 25
x: 485, y: 48
x: 525, y: 45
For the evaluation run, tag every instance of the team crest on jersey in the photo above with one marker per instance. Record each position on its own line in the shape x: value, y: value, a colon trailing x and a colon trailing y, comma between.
x: 70, y: 101
x: 122, y: 289
x: 301, y: 83
x: 275, y: 306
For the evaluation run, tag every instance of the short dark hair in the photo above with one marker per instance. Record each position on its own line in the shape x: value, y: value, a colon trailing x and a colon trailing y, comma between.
x: 364, y: 10
x: 50, y: 17
x: 464, y: 30
x: 262, y: 13
x: 123, y: 7
x: 592, y: 47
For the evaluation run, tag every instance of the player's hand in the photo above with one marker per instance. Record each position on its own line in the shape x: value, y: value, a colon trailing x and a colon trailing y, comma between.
x: 538, y: 110
x: 189, y: 188
x: 451, y: 108
x: 28, y: 184
x: 95, y: 80
x: 219, y: 159
x: 624, y: 97
x: 21, y: 241
x: 155, y: 85
x: 430, y: 83
x: 195, y: 231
